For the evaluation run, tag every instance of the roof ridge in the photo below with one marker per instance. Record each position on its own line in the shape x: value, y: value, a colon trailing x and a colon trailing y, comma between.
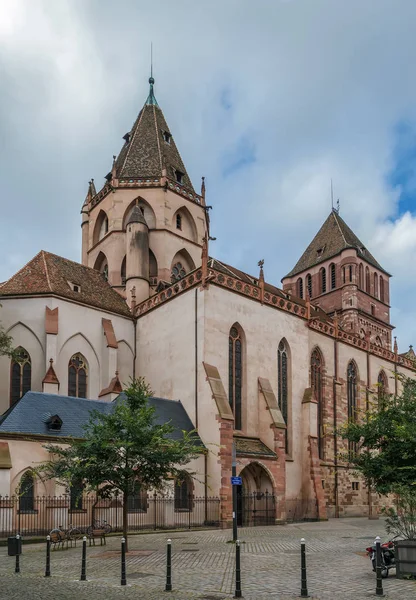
x: 46, y: 270
x: 157, y: 138
x: 339, y: 227
x: 21, y: 269
x: 135, y: 127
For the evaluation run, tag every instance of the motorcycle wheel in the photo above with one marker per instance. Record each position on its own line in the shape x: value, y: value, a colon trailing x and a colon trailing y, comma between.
x: 373, y: 562
x: 384, y: 573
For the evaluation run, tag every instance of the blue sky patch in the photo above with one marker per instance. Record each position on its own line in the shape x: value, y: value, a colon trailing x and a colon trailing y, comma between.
x: 403, y: 173
x: 242, y: 155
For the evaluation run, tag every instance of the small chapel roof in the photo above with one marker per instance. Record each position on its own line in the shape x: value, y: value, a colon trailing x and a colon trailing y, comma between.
x: 50, y: 274
x: 150, y: 148
x: 333, y: 237
x: 32, y: 413
x: 136, y: 216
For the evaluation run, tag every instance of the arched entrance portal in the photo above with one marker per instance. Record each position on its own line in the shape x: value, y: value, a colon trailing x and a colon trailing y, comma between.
x: 256, y: 504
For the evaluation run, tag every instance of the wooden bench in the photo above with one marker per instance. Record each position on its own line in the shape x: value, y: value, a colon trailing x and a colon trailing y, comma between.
x: 96, y: 534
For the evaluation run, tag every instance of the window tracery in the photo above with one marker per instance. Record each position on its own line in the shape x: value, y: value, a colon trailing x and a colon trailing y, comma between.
x: 77, y: 376
x: 282, y: 382
x: 235, y: 375
x: 317, y: 391
x: 178, y: 271
x: 20, y: 375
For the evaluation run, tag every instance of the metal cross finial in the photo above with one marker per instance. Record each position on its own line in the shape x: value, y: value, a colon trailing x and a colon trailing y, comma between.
x: 261, y: 263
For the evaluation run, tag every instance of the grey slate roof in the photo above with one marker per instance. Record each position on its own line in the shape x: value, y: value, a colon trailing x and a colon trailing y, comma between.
x: 30, y: 413
x: 333, y: 237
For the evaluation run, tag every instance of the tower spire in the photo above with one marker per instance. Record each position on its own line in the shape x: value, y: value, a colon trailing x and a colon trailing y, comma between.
x: 151, y: 100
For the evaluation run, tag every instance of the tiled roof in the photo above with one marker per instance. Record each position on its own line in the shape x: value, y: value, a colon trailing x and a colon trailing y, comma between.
x: 146, y: 153
x: 229, y: 270
x: 333, y: 237
x: 48, y: 273
x: 30, y: 415
x: 252, y: 446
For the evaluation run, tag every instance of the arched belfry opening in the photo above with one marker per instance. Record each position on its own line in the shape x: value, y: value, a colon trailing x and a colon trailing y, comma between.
x: 101, y: 227
x: 183, y: 224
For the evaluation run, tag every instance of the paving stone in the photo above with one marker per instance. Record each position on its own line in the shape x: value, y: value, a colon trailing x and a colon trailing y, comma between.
x: 203, y: 566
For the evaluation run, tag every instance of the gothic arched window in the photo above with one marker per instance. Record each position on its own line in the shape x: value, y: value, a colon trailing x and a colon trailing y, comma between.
x: 299, y: 286
x: 27, y: 493
x: 352, y: 399
x: 77, y: 376
x: 309, y: 284
x: 178, y: 271
x: 76, y: 493
x: 317, y: 391
x: 381, y: 288
x: 105, y: 271
x: 367, y: 280
x: 382, y: 387
x: 375, y: 285
x: 137, y: 498
x: 20, y: 375
x: 103, y: 228
x: 322, y: 273
x: 235, y: 374
x: 183, y: 493
x: 123, y: 272
x: 283, y: 385
x: 361, y: 276
x: 333, y: 276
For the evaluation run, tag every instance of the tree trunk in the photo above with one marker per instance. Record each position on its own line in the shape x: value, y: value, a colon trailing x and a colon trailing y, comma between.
x: 125, y: 499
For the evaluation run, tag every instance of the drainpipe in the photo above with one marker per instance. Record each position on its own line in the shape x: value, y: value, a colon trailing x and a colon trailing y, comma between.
x: 135, y: 346
x: 196, y: 358
x: 367, y: 406
x: 335, y: 428
x: 206, y: 485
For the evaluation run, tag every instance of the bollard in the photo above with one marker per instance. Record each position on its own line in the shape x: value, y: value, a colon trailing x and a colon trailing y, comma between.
x: 379, y: 582
x: 84, y: 560
x: 168, y: 587
x: 237, y: 570
x: 48, y: 556
x: 123, y: 562
x: 303, y: 579
x: 17, y: 567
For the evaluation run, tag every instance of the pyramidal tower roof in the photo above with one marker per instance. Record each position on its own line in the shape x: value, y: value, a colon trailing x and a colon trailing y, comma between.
x: 150, y: 148
x: 333, y: 237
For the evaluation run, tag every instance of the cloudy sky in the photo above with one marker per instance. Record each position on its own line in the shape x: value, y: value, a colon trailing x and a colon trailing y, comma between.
x: 268, y: 100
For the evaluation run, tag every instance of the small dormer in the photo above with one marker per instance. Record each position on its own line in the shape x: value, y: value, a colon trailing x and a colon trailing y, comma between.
x: 54, y: 423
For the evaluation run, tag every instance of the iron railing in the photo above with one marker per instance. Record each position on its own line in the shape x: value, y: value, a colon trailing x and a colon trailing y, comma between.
x: 37, y: 516
x: 258, y: 508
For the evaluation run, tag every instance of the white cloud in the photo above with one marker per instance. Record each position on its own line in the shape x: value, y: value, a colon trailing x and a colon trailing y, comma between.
x: 317, y: 89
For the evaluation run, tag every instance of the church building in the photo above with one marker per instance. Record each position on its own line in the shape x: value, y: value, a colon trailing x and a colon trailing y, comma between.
x: 269, y: 371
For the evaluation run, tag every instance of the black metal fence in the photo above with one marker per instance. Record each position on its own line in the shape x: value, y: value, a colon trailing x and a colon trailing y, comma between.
x: 256, y: 509
x: 44, y: 513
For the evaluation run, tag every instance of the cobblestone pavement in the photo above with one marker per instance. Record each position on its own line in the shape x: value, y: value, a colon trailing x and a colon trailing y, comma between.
x: 203, y: 566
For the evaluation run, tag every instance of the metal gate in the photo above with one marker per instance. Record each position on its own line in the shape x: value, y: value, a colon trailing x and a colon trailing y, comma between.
x: 258, y: 508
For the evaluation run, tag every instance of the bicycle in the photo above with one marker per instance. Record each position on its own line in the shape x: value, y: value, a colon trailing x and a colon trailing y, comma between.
x: 59, y: 535
x: 99, y: 524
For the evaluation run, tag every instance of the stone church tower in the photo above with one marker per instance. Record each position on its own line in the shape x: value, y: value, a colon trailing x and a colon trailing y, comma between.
x: 339, y: 274
x: 145, y: 227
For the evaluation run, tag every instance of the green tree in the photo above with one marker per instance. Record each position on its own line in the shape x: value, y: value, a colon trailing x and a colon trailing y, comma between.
x: 122, y: 448
x: 6, y: 343
x: 385, y: 438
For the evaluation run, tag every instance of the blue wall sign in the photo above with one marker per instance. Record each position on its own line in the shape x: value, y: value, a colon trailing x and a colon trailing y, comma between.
x: 236, y: 481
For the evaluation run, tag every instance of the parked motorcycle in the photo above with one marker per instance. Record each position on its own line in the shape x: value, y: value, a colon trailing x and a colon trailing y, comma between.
x: 388, y: 560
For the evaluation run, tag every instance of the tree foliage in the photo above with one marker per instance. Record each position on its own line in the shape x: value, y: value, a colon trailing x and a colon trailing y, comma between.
x: 6, y: 343
x: 386, y: 441
x: 121, y: 448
